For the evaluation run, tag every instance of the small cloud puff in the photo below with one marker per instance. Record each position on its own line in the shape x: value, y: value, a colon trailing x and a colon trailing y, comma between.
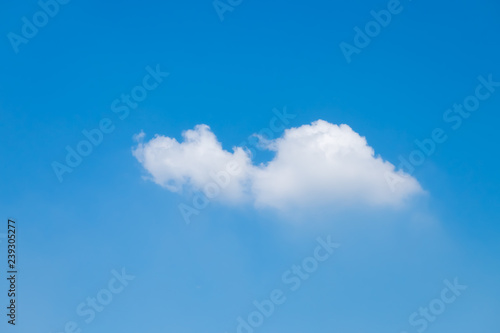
x: 194, y: 163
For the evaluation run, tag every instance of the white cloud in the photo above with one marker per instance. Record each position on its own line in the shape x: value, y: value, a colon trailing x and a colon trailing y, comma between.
x: 324, y: 163
x: 195, y: 163
x: 314, y: 165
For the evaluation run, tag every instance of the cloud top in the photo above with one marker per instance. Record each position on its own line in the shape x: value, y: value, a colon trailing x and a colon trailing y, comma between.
x: 314, y: 165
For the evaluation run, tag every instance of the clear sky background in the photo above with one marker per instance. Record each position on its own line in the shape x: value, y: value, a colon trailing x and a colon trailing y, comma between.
x: 230, y: 74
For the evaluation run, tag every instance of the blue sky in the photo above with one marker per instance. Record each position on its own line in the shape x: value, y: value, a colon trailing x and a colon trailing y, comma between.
x: 109, y: 213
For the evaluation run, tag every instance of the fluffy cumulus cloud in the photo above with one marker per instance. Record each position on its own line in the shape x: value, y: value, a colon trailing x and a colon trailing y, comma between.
x: 314, y: 165
x: 199, y: 163
x: 324, y: 163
